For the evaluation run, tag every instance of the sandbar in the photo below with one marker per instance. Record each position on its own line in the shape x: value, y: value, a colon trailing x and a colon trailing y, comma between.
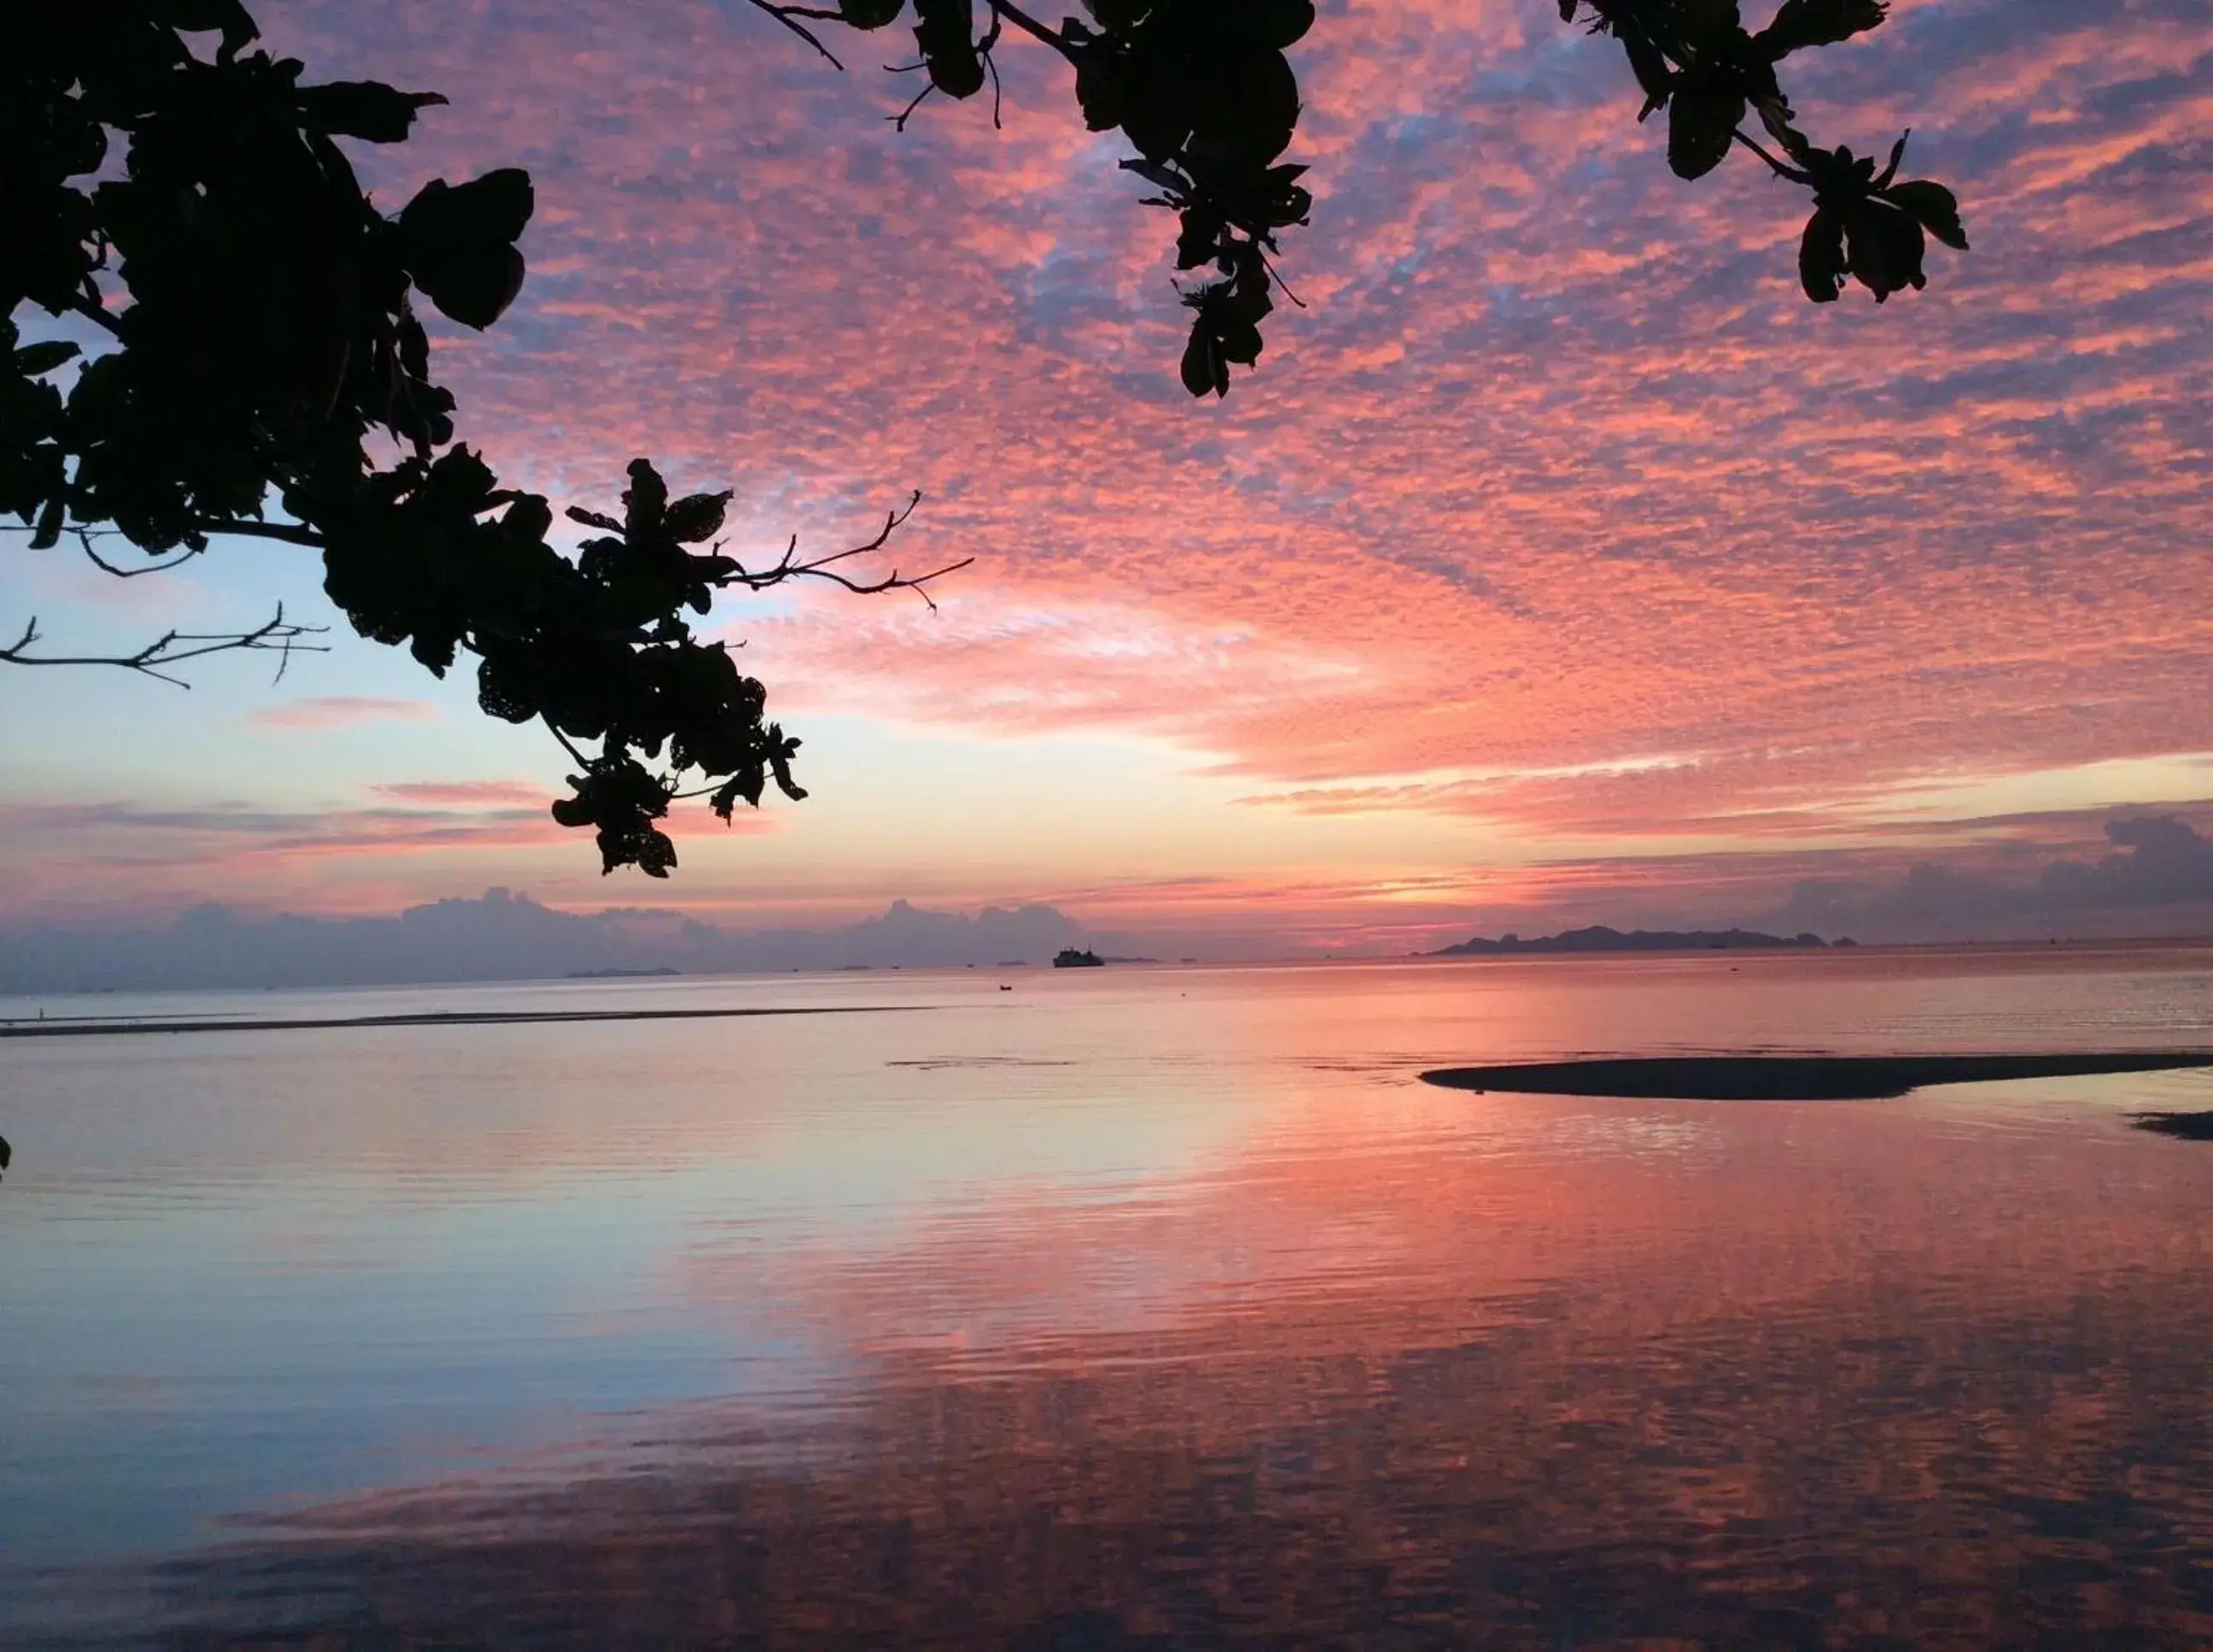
x: 2190, y: 1126
x: 1796, y: 1078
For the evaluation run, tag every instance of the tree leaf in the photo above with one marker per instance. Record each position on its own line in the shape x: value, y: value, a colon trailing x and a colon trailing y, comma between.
x: 1281, y: 23
x: 1652, y: 73
x: 1801, y: 23
x: 1117, y: 14
x: 457, y: 242
x: 871, y: 14
x: 197, y: 16
x: 653, y: 853
x: 645, y: 501
x: 781, y: 748
x: 363, y: 108
x: 34, y: 359
x: 1822, y: 256
x: 1883, y: 246
x: 1935, y: 206
x: 1100, y: 88
x: 1203, y: 369
x: 1249, y: 110
x: 697, y: 517
x: 494, y: 209
x: 1890, y: 167
x: 476, y: 288
x: 48, y: 533
x: 946, y: 33
x: 1700, y: 125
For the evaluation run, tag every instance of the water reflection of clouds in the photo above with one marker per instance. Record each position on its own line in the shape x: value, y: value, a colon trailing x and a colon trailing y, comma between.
x: 1807, y: 1400
x: 1208, y: 1334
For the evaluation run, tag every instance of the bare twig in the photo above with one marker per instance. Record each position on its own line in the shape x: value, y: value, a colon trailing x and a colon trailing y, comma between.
x: 796, y: 18
x: 899, y: 121
x: 894, y: 580
x: 791, y: 566
x: 790, y: 17
x: 84, y: 538
x: 1774, y: 165
x: 278, y: 637
x: 1277, y: 276
x: 1031, y: 26
x: 567, y: 745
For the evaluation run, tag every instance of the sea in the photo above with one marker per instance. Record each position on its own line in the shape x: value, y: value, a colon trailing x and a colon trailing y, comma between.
x: 1129, y: 1308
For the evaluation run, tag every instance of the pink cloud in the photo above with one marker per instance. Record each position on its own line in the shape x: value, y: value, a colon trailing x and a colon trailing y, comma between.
x: 340, y: 711
x: 463, y: 794
x: 1559, y: 479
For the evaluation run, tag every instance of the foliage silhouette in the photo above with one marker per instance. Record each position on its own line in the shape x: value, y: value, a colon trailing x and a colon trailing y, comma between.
x: 1203, y: 91
x: 270, y: 338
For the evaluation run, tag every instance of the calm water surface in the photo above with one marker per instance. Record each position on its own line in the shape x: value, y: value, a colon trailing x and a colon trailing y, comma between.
x: 1128, y: 1308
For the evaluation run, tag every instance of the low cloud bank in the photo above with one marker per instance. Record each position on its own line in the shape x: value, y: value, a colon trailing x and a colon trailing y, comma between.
x: 504, y: 936
x: 2155, y: 879
x: 2158, y: 880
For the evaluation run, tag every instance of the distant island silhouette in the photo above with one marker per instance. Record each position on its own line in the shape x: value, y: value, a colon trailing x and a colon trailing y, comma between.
x: 620, y: 974
x: 1076, y: 958
x: 1601, y: 938
x: 508, y: 936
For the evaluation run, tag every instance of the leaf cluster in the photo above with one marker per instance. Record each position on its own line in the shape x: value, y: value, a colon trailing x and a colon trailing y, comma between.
x: 1203, y: 93
x: 270, y: 328
x: 1696, y: 60
x: 1200, y: 90
x: 264, y: 345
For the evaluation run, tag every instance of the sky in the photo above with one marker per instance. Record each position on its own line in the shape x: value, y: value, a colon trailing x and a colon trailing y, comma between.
x: 1560, y: 563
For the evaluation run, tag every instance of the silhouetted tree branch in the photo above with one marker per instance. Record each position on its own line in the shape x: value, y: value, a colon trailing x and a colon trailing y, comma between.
x: 791, y: 17
x: 84, y: 538
x: 206, y: 527
x: 174, y: 647
x: 1696, y: 59
x: 791, y: 566
x: 270, y: 333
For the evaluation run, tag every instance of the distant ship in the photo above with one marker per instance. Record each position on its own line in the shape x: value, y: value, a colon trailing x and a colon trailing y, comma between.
x: 1070, y: 958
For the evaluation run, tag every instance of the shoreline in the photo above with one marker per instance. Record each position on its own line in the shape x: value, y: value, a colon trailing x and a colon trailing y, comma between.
x: 2193, y: 953
x: 1795, y: 1078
